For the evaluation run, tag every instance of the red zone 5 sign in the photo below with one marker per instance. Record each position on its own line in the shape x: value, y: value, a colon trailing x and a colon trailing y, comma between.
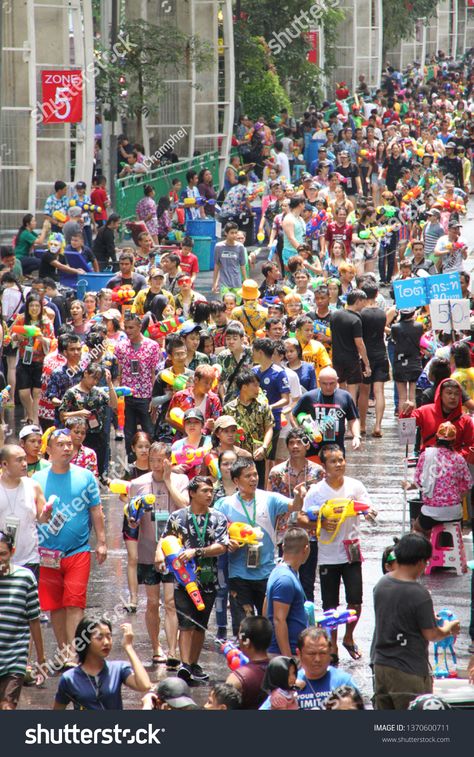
x: 62, y: 96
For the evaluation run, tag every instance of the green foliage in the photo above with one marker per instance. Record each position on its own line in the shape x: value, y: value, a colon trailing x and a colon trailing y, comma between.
x: 399, y: 17
x: 258, y: 85
x: 133, y: 84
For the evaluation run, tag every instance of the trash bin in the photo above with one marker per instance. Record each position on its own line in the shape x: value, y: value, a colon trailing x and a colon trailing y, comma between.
x: 203, y: 248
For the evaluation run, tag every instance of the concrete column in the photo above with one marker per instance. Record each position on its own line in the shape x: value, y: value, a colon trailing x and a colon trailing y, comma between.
x: 359, y: 44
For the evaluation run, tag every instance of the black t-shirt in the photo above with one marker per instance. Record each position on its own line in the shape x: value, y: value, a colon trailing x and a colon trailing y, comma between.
x: 104, y: 244
x: 345, y: 327
x: 331, y: 414
x: 46, y: 270
x: 373, y: 331
x: 394, y: 168
x: 351, y: 172
x: 136, y: 281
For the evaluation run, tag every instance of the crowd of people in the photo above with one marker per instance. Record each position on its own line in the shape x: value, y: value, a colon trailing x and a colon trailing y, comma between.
x: 236, y: 409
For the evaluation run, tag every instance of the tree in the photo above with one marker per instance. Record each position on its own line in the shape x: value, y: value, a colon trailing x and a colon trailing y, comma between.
x: 134, y: 83
x: 399, y: 18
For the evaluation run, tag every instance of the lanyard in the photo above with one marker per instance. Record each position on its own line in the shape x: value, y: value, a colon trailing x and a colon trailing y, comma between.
x: 253, y: 520
x: 200, y: 532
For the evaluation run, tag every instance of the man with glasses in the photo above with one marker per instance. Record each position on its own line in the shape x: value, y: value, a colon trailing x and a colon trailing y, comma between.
x: 137, y: 357
x: 65, y: 558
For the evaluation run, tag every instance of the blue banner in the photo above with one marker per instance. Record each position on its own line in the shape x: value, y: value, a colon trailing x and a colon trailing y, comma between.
x: 420, y: 290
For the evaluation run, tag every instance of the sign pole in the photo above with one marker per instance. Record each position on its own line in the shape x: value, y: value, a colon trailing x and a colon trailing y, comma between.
x: 405, y: 498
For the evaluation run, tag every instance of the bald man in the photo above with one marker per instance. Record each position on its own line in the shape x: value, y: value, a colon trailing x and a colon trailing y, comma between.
x: 21, y: 506
x: 331, y: 407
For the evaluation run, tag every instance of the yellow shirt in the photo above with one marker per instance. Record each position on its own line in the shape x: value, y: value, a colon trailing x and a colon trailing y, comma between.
x: 316, y: 353
x: 139, y: 301
x: 251, y: 317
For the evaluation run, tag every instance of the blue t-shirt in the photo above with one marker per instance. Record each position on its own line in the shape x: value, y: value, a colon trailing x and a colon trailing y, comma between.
x: 285, y: 586
x: 69, y: 527
x: 306, y: 375
x: 316, y: 691
x: 269, y: 506
x: 274, y: 383
x: 102, y: 692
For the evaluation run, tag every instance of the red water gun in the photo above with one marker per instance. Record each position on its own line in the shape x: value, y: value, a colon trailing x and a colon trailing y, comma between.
x: 412, y: 194
x: 157, y: 330
x: 235, y: 658
x: 451, y: 206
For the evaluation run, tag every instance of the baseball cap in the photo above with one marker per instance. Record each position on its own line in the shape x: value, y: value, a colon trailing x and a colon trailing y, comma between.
x: 189, y: 327
x: 81, y: 185
x: 193, y: 413
x: 111, y: 313
x: 453, y: 224
x: 306, y: 177
x: 344, y: 152
x: 225, y: 421
x: 451, y: 145
x: 433, y: 212
x: 429, y: 702
x: 28, y: 430
x: 175, y: 692
x: 155, y: 272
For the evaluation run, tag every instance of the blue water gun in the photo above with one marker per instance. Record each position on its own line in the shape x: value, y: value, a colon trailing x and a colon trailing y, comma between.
x: 138, y: 506
x: 329, y: 619
x: 445, y: 645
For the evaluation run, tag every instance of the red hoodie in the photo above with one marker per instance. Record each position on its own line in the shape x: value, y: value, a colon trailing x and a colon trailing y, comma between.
x: 429, y: 417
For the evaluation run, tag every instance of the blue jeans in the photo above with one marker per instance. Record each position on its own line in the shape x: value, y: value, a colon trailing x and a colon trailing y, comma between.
x: 387, y: 261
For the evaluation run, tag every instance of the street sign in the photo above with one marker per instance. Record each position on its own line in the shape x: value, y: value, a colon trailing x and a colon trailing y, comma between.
x: 62, y: 96
x: 450, y: 315
x: 407, y: 430
x: 420, y: 290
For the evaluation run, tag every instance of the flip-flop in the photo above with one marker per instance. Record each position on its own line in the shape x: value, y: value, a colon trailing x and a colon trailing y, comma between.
x: 377, y: 434
x: 353, y: 650
x: 159, y: 659
x: 172, y: 663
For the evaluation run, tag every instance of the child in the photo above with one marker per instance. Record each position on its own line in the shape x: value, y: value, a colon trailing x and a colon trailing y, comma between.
x: 188, y: 262
x: 280, y: 681
x: 223, y: 696
x: 345, y: 698
x: 337, y: 255
x: 389, y: 561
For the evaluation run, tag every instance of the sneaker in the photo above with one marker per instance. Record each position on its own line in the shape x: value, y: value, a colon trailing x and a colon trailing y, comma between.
x: 198, y: 674
x: 185, y: 673
x: 119, y: 437
x: 222, y: 633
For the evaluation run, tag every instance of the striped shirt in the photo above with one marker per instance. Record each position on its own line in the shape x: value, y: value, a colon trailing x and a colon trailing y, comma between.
x: 18, y: 606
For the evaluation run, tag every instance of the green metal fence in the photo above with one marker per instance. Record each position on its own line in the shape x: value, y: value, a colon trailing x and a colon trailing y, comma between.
x: 130, y: 190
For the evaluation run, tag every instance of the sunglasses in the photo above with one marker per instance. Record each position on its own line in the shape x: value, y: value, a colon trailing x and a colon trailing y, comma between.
x: 60, y: 432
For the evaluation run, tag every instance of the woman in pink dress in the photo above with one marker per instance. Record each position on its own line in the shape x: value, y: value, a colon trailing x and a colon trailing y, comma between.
x: 146, y: 211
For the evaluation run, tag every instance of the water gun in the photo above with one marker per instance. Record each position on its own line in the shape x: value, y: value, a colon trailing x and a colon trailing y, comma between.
x: 322, y: 329
x: 4, y: 394
x: 217, y: 375
x: 243, y: 533
x: 118, y: 486
x: 189, y: 456
x: 261, y: 236
x: 123, y: 295
x: 257, y: 189
x: 455, y: 245
x: 382, y: 231
x: 121, y: 412
x: 177, y: 416
x: 157, y: 330
x: 123, y: 391
x: 185, y: 573
x: 451, y: 206
x: 310, y: 427
x: 88, y: 207
x: 387, y: 210
x: 212, y: 465
x: 177, y: 383
x: 427, y: 344
x: 138, y: 506
x: 336, y: 509
x: 412, y: 194
x: 315, y: 222
x: 31, y: 332
x: 367, y: 154
x: 446, y: 645
x: 190, y: 202
x: 329, y: 619
x: 45, y: 438
x: 235, y: 658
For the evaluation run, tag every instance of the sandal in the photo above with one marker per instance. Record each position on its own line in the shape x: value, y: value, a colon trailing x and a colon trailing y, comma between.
x: 377, y: 434
x: 131, y: 608
x: 353, y: 650
x: 172, y: 663
x: 158, y: 659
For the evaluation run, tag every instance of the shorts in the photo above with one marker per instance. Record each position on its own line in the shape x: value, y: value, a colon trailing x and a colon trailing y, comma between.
x: 394, y: 689
x: 380, y: 371
x: 187, y: 611
x: 349, y: 374
x: 129, y: 533
x: 330, y: 579
x: 403, y: 376
x: 28, y: 376
x: 427, y: 523
x: 10, y: 688
x: 273, y: 450
x: 65, y: 586
x: 149, y: 576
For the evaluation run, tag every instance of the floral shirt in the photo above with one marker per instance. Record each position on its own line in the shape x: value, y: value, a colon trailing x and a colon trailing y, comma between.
x: 211, y: 529
x: 452, y: 477
x: 185, y: 400
x: 24, y: 341
x: 199, y: 359
x: 148, y: 356
x: 254, y: 418
x: 235, y: 201
x: 228, y: 364
x: 60, y: 381
x: 144, y: 207
x: 282, y: 479
x: 86, y: 458
x: 51, y: 362
x: 96, y: 401
x: 252, y: 317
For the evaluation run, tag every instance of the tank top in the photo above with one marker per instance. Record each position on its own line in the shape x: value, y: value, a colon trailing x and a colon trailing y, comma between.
x: 251, y: 678
x: 20, y: 503
x: 299, y: 230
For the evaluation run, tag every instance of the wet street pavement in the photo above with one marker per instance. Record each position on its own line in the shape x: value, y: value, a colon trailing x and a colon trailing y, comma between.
x: 379, y: 465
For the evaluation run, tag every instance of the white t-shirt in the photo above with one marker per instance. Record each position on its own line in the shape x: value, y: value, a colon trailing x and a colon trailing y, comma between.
x: 295, y: 394
x: 335, y: 553
x: 282, y: 161
x: 20, y: 504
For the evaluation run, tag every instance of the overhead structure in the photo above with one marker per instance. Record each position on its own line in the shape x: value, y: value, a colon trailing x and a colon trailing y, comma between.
x: 41, y: 36
x: 201, y: 103
x: 413, y: 49
x: 359, y: 43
